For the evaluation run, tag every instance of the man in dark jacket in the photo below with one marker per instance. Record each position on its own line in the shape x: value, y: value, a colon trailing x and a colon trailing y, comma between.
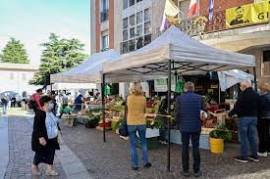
x: 246, y: 108
x: 188, y: 107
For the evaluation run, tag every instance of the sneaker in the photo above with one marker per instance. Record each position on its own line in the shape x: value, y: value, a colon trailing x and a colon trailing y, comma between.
x: 240, y: 159
x: 185, y: 173
x: 254, y: 159
x: 198, y: 174
x: 135, y: 168
x: 123, y: 137
x: 148, y: 165
x: 51, y: 173
x: 262, y: 154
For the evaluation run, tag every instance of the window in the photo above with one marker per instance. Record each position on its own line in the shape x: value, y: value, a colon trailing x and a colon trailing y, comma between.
x: 139, y: 31
x: 139, y: 1
x: 132, y: 32
x: 124, y: 47
x: 132, y: 20
x: 131, y: 2
x: 147, y: 39
x: 125, y: 35
x: 131, y: 44
x: 139, y: 42
x: 104, y: 10
x: 146, y: 15
x: 125, y: 4
x: 266, y: 62
x: 147, y: 28
x: 125, y: 23
x: 104, y: 41
x: 139, y: 17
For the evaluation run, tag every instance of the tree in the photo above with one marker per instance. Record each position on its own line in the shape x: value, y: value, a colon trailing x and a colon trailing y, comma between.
x: 14, y: 52
x: 57, y: 56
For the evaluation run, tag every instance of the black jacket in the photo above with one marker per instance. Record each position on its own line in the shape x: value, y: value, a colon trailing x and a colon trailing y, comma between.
x: 39, y: 130
x: 247, y: 104
x: 264, y: 109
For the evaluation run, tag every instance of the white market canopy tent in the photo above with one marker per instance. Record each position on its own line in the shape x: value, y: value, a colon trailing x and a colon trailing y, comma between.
x: 229, y: 78
x: 87, y: 72
x: 188, y: 56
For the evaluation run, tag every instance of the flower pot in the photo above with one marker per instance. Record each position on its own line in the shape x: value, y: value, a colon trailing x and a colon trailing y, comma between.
x: 216, y: 145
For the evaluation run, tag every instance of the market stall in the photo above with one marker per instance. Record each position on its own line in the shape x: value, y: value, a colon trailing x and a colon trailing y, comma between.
x: 172, y: 53
x: 88, y: 72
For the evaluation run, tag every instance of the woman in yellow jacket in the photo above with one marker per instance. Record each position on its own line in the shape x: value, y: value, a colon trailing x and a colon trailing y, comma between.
x: 136, y: 104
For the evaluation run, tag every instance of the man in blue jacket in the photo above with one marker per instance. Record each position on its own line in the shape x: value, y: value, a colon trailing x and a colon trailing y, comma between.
x: 188, y: 108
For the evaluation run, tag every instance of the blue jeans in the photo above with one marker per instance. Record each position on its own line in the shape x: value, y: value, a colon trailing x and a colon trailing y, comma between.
x: 132, y: 129
x: 195, y: 140
x: 248, y: 136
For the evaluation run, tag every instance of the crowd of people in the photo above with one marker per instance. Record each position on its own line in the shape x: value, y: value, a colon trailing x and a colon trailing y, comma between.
x: 252, y: 109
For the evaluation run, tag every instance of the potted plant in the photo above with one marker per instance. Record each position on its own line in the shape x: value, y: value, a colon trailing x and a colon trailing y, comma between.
x: 92, y: 121
x: 217, y: 138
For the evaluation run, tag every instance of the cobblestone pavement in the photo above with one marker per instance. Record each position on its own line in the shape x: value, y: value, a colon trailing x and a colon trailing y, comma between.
x: 20, y: 153
x: 111, y: 160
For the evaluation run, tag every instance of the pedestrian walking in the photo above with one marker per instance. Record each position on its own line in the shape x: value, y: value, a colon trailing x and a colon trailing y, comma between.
x: 188, y: 107
x: 36, y: 98
x: 246, y: 108
x: 44, y: 137
x: 264, y: 120
x: 4, y: 101
x: 136, y: 107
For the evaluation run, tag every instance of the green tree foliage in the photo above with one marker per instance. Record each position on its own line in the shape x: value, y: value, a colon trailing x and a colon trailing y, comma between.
x: 58, y: 55
x: 14, y: 52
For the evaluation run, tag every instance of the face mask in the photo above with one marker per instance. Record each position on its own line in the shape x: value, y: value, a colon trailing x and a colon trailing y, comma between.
x: 50, y: 106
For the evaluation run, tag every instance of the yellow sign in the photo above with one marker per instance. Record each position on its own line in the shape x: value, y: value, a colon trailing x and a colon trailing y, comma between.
x: 247, y: 14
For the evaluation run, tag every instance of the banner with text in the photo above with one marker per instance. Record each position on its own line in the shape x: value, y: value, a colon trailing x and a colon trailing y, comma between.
x: 247, y: 14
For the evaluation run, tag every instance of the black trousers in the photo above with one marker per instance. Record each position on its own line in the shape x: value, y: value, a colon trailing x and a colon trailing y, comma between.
x: 195, y: 139
x: 44, y: 157
x: 264, y: 135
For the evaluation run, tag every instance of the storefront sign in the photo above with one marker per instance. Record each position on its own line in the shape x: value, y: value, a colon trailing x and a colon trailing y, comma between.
x: 247, y: 14
x: 161, y: 85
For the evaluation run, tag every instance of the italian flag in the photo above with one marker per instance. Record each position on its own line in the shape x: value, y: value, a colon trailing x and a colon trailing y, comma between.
x: 193, y: 9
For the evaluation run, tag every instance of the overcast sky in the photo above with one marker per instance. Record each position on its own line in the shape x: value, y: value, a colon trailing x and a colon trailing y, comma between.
x: 31, y: 21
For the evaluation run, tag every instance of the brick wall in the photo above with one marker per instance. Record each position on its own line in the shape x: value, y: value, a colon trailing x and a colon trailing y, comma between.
x: 224, y: 4
x: 98, y: 33
x: 111, y: 24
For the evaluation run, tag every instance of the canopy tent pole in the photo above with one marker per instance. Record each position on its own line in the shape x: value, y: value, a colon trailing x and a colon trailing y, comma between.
x: 255, y: 79
x: 51, y: 86
x: 169, y: 119
x: 103, y: 106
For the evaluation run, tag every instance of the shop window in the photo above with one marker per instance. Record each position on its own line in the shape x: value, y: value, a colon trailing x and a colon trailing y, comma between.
x: 146, y: 15
x: 131, y: 2
x: 266, y: 62
x: 131, y: 45
x: 125, y: 4
x: 132, y: 32
x: 139, y: 17
x: 125, y: 35
x: 147, y: 28
x: 125, y: 23
x: 139, y: 31
x: 132, y: 20
x: 147, y: 39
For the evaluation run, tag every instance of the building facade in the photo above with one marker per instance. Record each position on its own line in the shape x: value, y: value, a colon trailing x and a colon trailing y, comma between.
x: 16, y: 77
x: 128, y: 25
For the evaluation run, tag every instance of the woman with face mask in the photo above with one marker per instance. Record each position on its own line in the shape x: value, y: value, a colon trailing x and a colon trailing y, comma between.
x: 44, y: 137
